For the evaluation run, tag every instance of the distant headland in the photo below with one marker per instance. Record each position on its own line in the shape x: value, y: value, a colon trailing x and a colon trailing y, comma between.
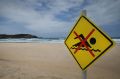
x: 6, y: 36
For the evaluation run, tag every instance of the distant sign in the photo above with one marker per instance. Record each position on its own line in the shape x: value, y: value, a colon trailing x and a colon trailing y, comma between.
x: 86, y: 42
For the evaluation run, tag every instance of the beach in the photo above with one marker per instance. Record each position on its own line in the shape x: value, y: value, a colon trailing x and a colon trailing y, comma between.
x: 53, y: 61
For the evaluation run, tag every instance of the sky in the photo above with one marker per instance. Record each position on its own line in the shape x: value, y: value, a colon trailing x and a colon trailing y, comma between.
x: 55, y: 18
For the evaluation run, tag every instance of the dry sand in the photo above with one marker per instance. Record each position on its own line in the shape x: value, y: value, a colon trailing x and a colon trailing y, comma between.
x: 52, y: 61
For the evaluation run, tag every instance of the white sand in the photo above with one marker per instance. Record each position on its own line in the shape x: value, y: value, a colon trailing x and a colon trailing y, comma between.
x: 52, y: 61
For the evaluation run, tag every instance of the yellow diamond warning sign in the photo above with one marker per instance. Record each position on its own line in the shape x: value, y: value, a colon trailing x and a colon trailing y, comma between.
x: 86, y: 42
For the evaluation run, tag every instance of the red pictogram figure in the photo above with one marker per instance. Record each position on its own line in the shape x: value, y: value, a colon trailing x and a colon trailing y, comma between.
x: 83, y: 42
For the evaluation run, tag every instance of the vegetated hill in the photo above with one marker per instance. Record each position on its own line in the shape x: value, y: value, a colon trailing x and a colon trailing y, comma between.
x: 5, y: 36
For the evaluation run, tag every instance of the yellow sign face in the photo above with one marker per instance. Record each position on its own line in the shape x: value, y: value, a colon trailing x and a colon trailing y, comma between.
x: 86, y: 42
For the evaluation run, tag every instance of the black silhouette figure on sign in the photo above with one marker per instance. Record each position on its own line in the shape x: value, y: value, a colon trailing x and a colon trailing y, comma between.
x: 81, y: 35
x: 92, y: 41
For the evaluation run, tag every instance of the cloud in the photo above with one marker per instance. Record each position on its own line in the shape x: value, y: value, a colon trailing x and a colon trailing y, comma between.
x: 104, y: 12
x: 38, y: 15
x: 54, y: 17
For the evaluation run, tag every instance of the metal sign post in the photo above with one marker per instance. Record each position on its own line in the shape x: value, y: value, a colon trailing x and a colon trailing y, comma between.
x: 84, y: 73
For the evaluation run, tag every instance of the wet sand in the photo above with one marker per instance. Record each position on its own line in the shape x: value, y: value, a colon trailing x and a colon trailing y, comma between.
x: 52, y: 61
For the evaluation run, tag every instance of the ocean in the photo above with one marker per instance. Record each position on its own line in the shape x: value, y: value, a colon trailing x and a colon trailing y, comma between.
x: 38, y: 40
x: 34, y: 40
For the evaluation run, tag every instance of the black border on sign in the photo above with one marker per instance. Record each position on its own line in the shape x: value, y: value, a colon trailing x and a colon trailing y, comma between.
x: 99, y: 31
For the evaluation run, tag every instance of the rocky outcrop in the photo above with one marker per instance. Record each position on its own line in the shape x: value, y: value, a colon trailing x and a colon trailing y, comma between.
x: 5, y: 36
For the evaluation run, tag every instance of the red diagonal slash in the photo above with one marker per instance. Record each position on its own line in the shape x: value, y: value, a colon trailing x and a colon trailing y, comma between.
x: 83, y: 42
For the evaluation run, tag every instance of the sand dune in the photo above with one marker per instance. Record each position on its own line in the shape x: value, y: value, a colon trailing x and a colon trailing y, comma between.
x: 52, y: 61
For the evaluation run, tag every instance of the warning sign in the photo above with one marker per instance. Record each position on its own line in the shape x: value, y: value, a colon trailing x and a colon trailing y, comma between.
x: 86, y: 42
